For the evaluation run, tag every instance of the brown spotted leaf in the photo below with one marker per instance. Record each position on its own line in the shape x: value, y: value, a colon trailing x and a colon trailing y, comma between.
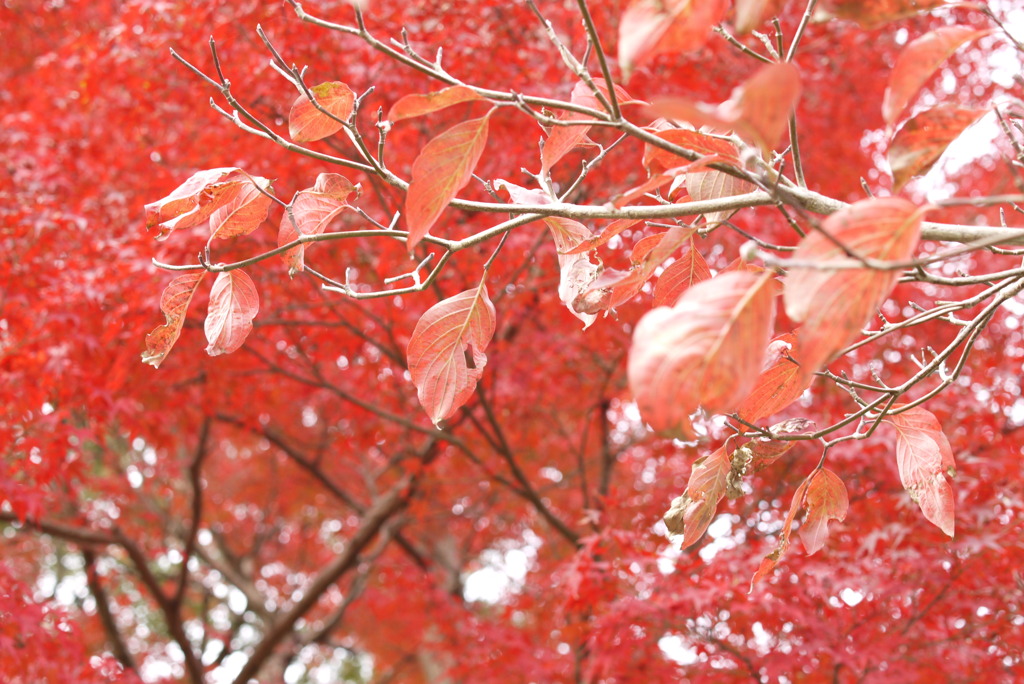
x: 174, y: 303
x: 244, y: 213
x: 306, y: 123
x: 437, y: 351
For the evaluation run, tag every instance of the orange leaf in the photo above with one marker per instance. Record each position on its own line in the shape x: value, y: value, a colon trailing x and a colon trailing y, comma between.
x: 918, y: 62
x: 562, y: 140
x: 657, y: 160
x: 758, y: 111
x: 244, y: 212
x: 925, y: 459
x: 174, y: 303
x: 918, y: 145
x: 437, y: 351
x: 826, y: 500
x: 651, y: 27
x: 611, y: 230
x: 307, y: 123
x: 834, y: 304
x: 873, y: 13
x: 417, y: 105
x: 705, y: 351
x: 780, y: 383
x: 691, y: 513
x: 442, y: 168
x: 192, y: 202
x: 679, y: 276
x: 234, y: 302
x: 310, y: 212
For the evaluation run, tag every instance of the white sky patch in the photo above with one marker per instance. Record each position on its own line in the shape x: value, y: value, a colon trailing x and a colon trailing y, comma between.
x: 678, y: 650
x: 504, y: 571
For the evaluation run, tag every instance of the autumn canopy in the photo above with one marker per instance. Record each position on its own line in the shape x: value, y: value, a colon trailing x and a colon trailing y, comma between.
x: 511, y: 341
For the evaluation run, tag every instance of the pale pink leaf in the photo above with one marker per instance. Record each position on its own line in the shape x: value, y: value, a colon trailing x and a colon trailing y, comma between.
x: 826, y: 500
x: 306, y: 123
x: 234, y: 302
x: 707, y: 350
x: 443, y: 167
x: 835, y: 303
x: 749, y: 14
x: 245, y: 212
x: 925, y: 459
x: 418, y: 105
x: 918, y: 62
x: 692, y: 512
x: 174, y: 304
x: 310, y: 212
x: 437, y: 351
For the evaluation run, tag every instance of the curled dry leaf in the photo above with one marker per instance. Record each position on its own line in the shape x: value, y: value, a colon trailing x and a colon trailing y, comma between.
x: 443, y: 167
x: 918, y: 62
x: 925, y: 459
x: 234, y: 302
x: 174, y: 303
x: 918, y: 145
x: 437, y: 351
x: 705, y: 351
x: 758, y: 110
x: 244, y: 213
x: 650, y: 27
x: 834, y: 303
x: 769, y: 562
x: 306, y: 123
x: 310, y: 212
x: 692, y: 512
x: 418, y: 105
x: 576, y: 270
x: 192, y: 202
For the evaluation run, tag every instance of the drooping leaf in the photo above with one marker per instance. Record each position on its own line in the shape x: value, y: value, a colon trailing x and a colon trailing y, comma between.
x: 244, y: 213
x: 712, y: 184
x: 925, y: 459
x: 614, y: 228
x: 692, y: 512
x: 705, y: 351
x: 174, y: 303
x: 437, y: 351
x: 192, y: 202
x: 835, y: 302
x: 873, y: 13
x: 918, y: 145
x: 758, y: 110
x: 443, y: 167
x: 749, y: 14
x: 650, y: 27
x: 918, y: 61
x: 234, y: 302
x: 769, y: 562
x: 780, y: 383
x: 310, y: 212
x: 418, y: 105
x: 826, y: 500
x: 679, y: 276
x: 306, y: 123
